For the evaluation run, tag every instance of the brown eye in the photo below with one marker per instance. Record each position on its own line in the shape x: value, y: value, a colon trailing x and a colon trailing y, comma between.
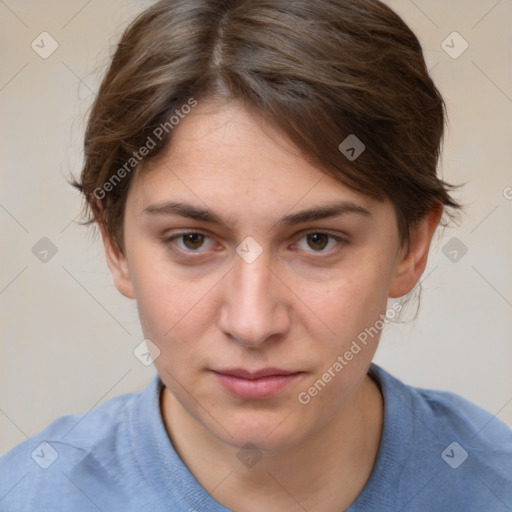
x: 318, y: 240
x: 193, y: 240
x: 187, y: 242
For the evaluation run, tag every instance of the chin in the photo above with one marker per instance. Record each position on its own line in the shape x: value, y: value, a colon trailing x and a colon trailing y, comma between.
x: 255, y: 441
x: 268, y: 433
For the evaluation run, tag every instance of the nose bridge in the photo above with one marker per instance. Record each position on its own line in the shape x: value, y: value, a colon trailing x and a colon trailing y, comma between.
x: 254, y: 281
x: 254, y: 310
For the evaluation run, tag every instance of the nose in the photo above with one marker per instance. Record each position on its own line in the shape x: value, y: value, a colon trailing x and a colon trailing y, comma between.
x: 255, y: 304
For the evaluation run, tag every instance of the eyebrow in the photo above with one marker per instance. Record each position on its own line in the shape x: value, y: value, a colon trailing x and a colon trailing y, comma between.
x: 324, y: 211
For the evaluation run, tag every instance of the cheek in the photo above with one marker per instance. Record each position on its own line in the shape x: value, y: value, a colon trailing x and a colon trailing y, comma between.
x: 171, y: 310
x: 168, y: 297
x: 349, y: 302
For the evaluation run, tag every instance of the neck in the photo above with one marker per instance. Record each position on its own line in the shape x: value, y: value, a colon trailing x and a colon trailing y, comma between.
x: 337, y: 460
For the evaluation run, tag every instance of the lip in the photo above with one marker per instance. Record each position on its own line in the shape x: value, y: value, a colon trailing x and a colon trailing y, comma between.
x: 256, y: 385
x: 254, y: 374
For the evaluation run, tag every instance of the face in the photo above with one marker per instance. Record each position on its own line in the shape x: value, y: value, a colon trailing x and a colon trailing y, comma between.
x: 228, y: 277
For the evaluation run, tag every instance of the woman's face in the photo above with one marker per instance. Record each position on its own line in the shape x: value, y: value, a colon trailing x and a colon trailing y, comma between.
x: 261, y: 279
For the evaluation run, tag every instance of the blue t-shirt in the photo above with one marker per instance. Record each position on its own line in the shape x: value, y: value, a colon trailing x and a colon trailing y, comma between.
x: 438, y: 453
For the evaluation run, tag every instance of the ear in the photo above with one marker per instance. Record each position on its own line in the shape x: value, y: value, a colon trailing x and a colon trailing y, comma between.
x: 117, y: 264
x: 413, y: 259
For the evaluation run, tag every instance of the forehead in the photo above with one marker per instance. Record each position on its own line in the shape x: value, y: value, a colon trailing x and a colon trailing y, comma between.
x: 225, y: 141
x: 225, y: 156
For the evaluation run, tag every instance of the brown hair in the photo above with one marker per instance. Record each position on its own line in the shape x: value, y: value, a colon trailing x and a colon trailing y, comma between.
x: 319, y: 71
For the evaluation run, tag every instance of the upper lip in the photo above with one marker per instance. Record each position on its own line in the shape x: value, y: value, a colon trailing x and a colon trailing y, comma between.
x: 254, y: 374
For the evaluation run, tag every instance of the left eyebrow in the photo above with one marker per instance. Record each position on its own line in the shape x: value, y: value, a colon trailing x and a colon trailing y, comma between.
x: 324, y: 211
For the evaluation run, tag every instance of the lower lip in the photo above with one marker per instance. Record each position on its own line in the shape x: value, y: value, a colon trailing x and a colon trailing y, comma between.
x: 256, y: 389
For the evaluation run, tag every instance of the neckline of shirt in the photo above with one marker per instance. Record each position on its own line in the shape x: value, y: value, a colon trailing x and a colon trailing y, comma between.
x: 171, y: 479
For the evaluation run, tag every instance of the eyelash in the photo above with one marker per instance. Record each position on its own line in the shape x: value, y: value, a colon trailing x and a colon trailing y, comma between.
x: 168, y: 242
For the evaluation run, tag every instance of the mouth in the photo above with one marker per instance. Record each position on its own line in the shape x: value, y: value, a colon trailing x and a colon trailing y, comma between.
x: 256, y: 385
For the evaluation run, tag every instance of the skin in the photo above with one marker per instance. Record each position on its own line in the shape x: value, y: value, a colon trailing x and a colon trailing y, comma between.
x: 298, y: 306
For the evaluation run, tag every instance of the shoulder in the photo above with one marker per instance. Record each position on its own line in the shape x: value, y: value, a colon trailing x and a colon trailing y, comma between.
x: 447, y: 412
x: 450, y: 411
x: 460, y: 452
x: 72, y: 452
x: 475, y: 445
x: 450, y: 414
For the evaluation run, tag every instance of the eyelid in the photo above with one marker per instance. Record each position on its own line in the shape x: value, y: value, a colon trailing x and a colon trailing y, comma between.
x: 341, y: 236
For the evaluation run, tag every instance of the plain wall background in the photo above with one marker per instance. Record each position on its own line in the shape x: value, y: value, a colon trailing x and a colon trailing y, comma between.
x: 67, y: 335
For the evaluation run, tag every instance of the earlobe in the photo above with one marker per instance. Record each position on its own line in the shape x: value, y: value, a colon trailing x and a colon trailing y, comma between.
x: 117, y: 264
x: 412, y: 260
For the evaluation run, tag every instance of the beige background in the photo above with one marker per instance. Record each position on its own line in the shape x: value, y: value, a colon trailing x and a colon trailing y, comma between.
x: 67, y: 335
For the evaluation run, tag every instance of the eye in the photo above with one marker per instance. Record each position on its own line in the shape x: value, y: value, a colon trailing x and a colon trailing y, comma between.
x: 318, y: 240
x: 192, y: 240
